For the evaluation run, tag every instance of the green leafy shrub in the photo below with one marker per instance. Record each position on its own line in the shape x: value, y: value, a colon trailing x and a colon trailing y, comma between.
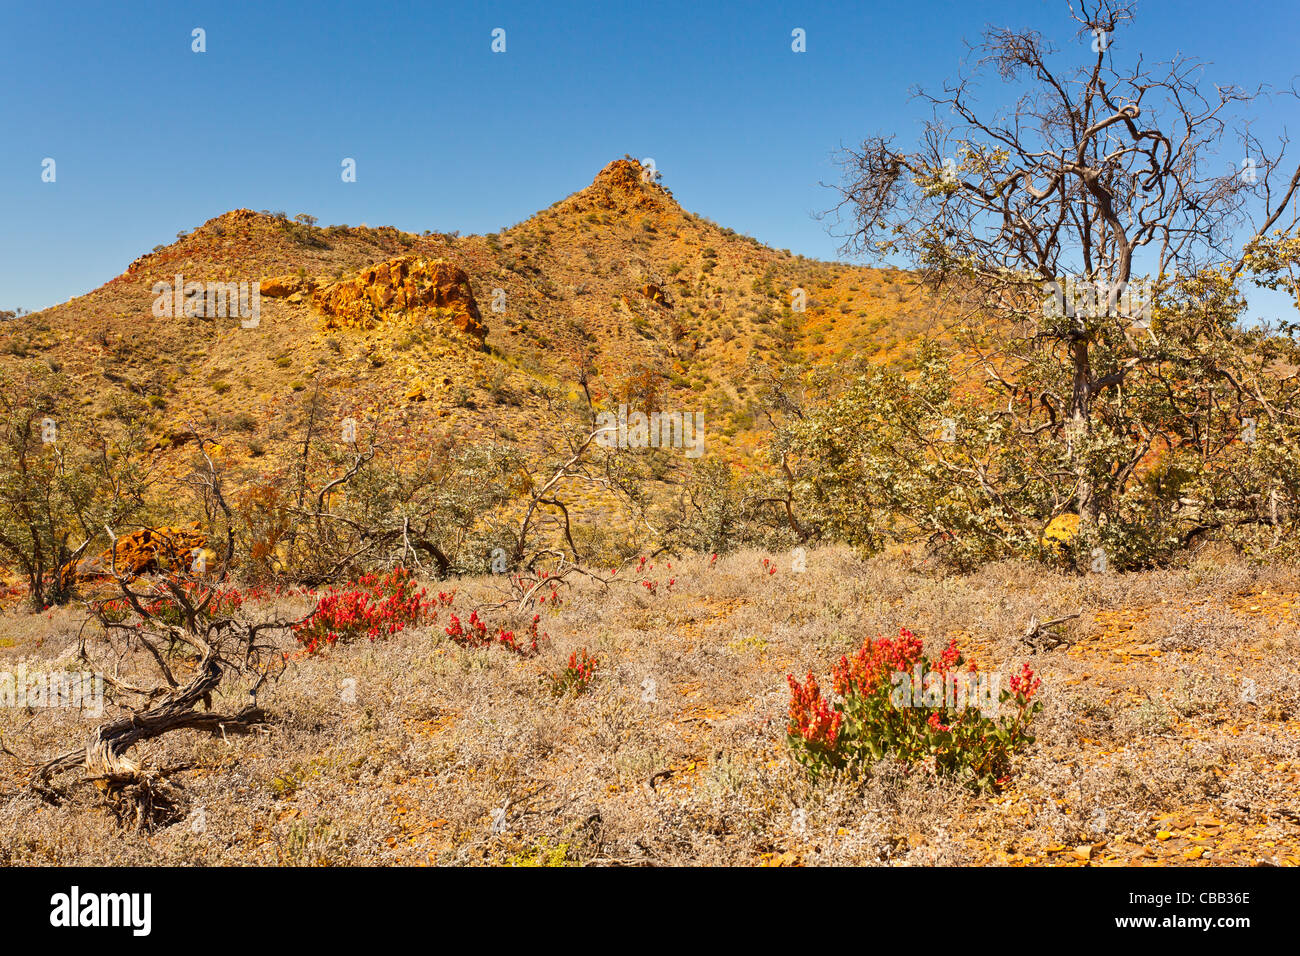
x: 892, y: 701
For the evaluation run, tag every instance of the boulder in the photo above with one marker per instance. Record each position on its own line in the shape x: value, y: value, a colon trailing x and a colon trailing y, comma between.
x: 147, y: 551
x: 654, y: 294
x: 279, y: 287
x: 1060, y: 533
x: 174, y: 439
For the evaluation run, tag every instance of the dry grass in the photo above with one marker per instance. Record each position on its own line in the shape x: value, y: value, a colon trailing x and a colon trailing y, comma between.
x: 406, y: 751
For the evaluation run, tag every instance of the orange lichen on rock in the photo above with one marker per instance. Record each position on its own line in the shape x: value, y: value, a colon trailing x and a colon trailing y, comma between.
x: 408, y: 284
x: 145, y: 551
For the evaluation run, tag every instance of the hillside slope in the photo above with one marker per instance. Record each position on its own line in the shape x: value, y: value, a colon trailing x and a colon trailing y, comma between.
x: 664, y: 308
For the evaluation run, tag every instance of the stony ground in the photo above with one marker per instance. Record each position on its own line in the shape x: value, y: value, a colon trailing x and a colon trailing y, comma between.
x: 1170, y: 733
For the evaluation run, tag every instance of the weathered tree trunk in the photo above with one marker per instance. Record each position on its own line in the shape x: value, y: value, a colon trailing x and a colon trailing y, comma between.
x: 105, y: 753
x: 1086, y: 496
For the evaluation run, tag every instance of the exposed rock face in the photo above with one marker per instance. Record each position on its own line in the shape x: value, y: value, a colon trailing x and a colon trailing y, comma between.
x: 278, y: 287
x: 620, y: 185
x: 409, y: 284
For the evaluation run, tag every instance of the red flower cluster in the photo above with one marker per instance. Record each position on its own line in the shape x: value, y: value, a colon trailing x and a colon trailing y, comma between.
x: 583, y: 667
x: 373, y: 605
x: 653, y: 586
x: 524, y: 584
x: 867, y: 718
x: 769, y: 566
x: 231, y: 599
x: 875, y: 661
x: 527, y: 644
x: 576, y: 676
x: 223, y: 601
x: 1025, y: 683
x: 477, y: 635
x: 811, y: 715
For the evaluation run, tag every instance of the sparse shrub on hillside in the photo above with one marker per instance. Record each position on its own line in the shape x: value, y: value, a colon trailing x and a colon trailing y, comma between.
x: 242, y: 422
x: 498, y: 387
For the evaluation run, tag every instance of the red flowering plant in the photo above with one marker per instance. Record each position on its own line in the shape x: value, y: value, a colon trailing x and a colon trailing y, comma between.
x: 161, y: 604
x: 652, y: 587
x: 116, y: 611
x: 373, y: 606
x: 891, y: 700
x: 576, y: 675
x: 476, y: 633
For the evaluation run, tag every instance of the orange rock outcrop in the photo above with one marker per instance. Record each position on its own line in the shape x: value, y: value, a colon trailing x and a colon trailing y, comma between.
x: 146, y: 551
x: 408, y: 284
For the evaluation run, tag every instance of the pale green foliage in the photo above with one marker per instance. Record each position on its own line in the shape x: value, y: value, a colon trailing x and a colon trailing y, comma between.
x: 57, y: 497
x: 1198, y: 437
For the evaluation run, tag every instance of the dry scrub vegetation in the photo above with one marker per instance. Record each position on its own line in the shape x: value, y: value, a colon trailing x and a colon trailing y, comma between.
x: 414, y: 750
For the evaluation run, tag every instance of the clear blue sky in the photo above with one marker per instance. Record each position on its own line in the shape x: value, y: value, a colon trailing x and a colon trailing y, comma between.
x: 151, y: 138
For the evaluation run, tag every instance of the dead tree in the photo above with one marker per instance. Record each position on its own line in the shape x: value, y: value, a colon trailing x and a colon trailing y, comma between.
x: 1106, y: 174
x: 192, y: 649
